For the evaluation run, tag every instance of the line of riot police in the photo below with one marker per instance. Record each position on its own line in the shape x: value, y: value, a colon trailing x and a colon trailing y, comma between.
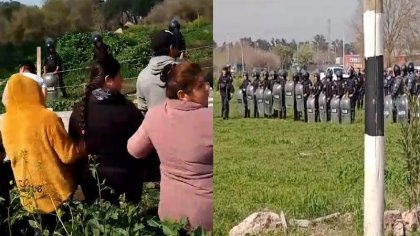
x: 322, y: 101
x: 399, y: 85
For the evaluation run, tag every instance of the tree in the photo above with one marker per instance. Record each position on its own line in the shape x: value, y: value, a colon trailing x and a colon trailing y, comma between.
x: 400, y: 25
x: 400, y: 19
x: 305, y: 54
x: 56, y: 13
x: 285, y: 53
x: 320, y: 43
x: 27, y: 24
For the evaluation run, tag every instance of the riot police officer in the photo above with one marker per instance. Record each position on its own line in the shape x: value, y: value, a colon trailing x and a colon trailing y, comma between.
x: 398, y: 89
x: 351, y: 92
x: 272, y: 79
x: 316, y: 91
x: 282, y: 78
x: 360, y: 87
x: 296, y: 80
x: 53, y: 64
x: 100, y: 49
x: 412, y: 79
x: 256, y: 84
x: 329, y: 92
x: 225, y: 87
x: 404, y: 71
x: 339, y: 85
x: 388, y: 81
x: 175, y: 28
x: 265, y: 81
x: 246, y: 81
x: 307, y: 87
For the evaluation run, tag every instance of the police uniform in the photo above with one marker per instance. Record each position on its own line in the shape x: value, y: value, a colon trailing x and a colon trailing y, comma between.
x: 225, y: 87
x: 243, y: 87
x: 51, y: 62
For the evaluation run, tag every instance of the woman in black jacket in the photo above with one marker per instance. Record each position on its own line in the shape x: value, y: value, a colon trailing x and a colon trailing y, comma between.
x: 106, y: 120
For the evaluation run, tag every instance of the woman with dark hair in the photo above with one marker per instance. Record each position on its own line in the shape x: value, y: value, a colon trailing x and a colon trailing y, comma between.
x: 105, y: 119
x: 181, y: 131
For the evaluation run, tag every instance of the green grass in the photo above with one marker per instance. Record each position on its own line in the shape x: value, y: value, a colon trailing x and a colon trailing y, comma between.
x: 305, y: 170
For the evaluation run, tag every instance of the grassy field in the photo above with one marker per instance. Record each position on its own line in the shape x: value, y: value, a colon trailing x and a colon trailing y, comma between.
x: 304, y: 170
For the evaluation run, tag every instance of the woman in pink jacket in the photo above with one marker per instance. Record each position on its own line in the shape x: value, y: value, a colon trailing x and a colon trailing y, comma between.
x: 181, y: 131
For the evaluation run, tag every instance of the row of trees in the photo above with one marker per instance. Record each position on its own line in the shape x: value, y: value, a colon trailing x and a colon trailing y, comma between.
x: 317, y: 51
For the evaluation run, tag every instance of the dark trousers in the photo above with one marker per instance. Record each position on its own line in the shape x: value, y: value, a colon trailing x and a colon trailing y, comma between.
x: 360, y: 99
x: 353, y: 103
x: 225, y: 107
x: 305, y: 109
x: 317, y: 119
x: 256, y: 114
x: 247, y: 111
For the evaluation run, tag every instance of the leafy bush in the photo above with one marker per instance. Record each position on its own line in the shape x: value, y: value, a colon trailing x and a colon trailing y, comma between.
x: 99, y: 218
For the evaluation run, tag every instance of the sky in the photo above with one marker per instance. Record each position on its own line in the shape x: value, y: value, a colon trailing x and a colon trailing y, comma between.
x: 31, y: 2
x: 298, y: 19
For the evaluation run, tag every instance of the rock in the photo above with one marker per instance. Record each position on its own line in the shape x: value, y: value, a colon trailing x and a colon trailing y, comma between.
x: 283, y: 220
x: 325, y: 218
x: 300, y: 223
x: 398, y: 229
x: 257, y: 223
x: 410, y: 220
x: 390, y: 218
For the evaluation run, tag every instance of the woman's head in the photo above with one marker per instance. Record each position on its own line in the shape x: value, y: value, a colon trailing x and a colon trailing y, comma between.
x: 186, y: 82
x: 106, y: 74
x: 103, y: 74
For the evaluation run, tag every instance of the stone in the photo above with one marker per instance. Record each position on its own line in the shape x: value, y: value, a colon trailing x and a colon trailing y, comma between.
x: 300, y: 223
x: 398, y: 229
x: 257, y: 223
x: 390, y: 218
x: 410, y: 220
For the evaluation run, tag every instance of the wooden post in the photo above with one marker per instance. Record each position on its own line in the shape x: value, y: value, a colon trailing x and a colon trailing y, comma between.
x: 38, y: 61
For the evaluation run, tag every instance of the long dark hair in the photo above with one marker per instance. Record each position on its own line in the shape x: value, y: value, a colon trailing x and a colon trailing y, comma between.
x: 99, y: 71
x: 181, y: 76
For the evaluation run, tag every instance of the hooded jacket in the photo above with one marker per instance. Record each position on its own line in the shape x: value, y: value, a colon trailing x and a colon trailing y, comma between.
x: 39, y: 148
x: 151, y: 90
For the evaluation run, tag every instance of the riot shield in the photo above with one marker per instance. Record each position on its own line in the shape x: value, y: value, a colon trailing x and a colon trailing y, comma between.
x: 277, y: 97
x: 345, y: 110
x: 322, y: 100
x: 259, y: 95
x: 250, y: 98
x: 402, y: 109
x: 241, y: 102
x: 268, y: 102
x: 299, y: 100
x: 388, y: 107
x: 310, y: 107
x: 335, y: 110
x: 51, y: 81
x: 289, y: 90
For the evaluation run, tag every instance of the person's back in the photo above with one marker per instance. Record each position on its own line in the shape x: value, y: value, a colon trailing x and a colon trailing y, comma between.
x: 181, y: 130
x: 105, y: 119
x: 150, y: 90
x: 38, y: 147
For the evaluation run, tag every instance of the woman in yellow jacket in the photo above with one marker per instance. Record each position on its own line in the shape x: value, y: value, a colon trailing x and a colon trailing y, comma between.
x: 40, y: 150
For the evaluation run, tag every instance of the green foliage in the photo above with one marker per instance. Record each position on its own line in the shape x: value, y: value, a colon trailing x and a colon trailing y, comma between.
x: 305, y: 54
x: 100, y: 218
x: 410, y: 147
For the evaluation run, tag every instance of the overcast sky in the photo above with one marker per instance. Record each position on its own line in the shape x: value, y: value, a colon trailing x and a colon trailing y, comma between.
x: 298, y: 19
x: 31, y: 2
